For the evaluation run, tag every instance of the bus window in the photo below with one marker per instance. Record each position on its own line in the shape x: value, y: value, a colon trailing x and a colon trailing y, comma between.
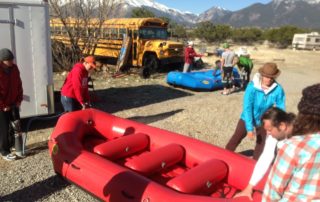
x: 106, y: 33
x: 82, y: 31
x: 90, y: 31
x: 122, y: 31
x: 153, y: 33
x: 53, y: 30
x: 73, y: 29
x: 63, y: 31
x: 135, y: 34
x: 114, y: 33
x: 129, y: 33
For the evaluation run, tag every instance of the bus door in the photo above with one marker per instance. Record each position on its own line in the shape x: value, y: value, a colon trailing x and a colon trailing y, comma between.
x: 135, y: 47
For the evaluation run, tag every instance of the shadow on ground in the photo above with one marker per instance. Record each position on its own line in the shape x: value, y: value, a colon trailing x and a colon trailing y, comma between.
x: 117, y: 99
x: 154, y: 118
x: 248, y: 152
x: 37, y: 190
x: 34, y: 149
x: 112, y: 100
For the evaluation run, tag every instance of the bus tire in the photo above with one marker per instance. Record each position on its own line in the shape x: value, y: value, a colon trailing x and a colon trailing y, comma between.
x: 145, y: 72
x: 151, y: 62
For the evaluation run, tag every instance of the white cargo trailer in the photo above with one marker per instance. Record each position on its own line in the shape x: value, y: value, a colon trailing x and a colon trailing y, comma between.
x: 308, y: 41
x: 24, y: 28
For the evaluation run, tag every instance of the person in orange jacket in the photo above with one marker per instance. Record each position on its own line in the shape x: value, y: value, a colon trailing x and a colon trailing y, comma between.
x: 75, y: 92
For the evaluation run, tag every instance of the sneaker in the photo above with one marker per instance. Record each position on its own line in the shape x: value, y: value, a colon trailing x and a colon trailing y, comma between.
x: 225, y: 93
x: 233, y: 89
x: 9, y: 157
x: 20, y: 155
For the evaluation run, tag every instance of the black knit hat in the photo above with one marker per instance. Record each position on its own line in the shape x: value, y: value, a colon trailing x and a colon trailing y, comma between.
x: 310, y: 101
x: 6, y: 54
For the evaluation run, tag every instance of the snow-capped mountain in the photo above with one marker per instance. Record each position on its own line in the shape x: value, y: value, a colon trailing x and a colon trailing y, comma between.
x: 302, y: 13
x: 294, y: 1
x: 126, y: 6
x: 149, y: 3
x: 213, y: 14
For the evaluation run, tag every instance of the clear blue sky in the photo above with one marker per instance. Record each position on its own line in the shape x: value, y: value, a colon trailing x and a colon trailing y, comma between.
x: 199, y: 6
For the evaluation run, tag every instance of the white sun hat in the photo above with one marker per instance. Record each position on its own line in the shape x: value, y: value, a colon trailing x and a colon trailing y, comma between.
x: 242, y: 51
x: 190, y: 43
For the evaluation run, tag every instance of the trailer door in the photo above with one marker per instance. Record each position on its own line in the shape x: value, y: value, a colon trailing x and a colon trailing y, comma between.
x: 6, y: 27
x: 24, y: 28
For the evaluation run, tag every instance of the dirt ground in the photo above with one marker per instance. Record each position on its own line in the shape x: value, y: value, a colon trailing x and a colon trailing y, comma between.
x: 207, y: 116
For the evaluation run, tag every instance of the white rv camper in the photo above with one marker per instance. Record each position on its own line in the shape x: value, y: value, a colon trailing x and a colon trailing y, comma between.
x: 24, y: 26
x: 309, y: 41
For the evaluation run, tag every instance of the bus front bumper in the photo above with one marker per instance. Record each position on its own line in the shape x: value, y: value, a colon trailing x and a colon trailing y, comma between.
x: 171, y: 60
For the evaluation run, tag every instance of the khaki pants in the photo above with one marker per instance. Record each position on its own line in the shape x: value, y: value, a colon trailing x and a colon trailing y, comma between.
x: 187, y: 67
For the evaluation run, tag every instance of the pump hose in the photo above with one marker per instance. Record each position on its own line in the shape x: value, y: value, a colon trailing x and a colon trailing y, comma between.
x: 24, y: 140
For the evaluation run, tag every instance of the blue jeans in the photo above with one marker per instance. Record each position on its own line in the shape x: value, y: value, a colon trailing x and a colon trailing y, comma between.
x: 69, y: 104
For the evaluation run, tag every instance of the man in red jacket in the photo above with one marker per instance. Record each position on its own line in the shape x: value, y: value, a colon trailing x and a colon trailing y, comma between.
x: 11, y: 94
x: 189, y: 55
x: 74, y: 92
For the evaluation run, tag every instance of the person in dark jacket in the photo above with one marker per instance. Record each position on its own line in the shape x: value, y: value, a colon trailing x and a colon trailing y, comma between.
x: 262, y: 93
x: 11, y: 94
x: 75, y: 92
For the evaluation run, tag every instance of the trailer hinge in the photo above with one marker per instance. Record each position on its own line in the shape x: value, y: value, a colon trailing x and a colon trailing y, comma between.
x: 7, y: 22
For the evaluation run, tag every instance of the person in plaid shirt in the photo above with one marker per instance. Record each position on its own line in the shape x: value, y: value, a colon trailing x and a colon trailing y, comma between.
x: 279, y: 126
x: 295, y: 174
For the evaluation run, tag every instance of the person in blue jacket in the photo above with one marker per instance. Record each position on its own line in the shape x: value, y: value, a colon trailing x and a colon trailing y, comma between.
x: 261, y: 93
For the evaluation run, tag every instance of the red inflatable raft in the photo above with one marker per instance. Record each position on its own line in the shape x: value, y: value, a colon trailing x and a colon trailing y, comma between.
x: 120, y: 160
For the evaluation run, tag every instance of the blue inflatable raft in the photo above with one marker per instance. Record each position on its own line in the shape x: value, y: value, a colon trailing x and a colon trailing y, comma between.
x: 202, y: 80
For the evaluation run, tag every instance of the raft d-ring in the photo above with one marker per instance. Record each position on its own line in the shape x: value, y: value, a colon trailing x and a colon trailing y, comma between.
x: 90, y: 122
x: 205, y: 82
x: 146, y: 200
x: 55, y: 149
x: 163, y: 164
x: 208, y: 184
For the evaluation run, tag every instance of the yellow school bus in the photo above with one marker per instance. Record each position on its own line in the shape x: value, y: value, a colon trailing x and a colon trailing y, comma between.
x: 150, y: 47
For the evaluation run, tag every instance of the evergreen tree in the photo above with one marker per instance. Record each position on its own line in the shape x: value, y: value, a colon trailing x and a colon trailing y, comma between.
x: 142, y: 13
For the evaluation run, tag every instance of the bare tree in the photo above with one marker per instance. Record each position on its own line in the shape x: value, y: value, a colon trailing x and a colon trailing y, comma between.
x: 76, y: 27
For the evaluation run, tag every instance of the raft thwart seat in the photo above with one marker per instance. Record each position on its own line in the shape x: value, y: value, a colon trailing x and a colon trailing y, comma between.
x: 157, y: 160
x: 123, y: 146
x: 201, y: 178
